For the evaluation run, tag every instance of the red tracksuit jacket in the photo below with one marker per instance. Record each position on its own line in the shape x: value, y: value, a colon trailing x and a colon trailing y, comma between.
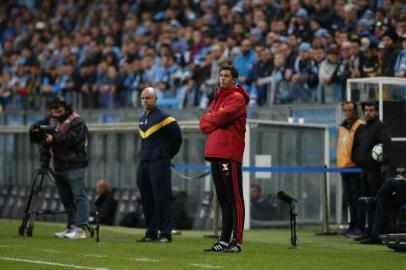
x: 225, y: 124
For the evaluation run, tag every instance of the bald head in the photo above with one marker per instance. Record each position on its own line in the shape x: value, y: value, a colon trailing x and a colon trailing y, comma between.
x: 149, y: 90
x: 148, y: 98
x: 101, y: 186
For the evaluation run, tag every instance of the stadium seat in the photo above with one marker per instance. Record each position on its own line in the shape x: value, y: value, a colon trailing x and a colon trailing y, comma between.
x: 4, y: 193
x: 202, y: 219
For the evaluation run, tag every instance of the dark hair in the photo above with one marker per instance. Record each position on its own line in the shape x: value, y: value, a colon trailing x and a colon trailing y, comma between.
x: 354, y: 106
x: 232, y: 69
x: 57, y: 102
x: 370, y: 104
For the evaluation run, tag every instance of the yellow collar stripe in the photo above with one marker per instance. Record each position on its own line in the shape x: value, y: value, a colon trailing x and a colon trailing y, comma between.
x: 156, y: 127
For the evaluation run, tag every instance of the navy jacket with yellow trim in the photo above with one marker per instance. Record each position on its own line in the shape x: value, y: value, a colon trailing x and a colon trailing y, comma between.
x: 160, y: 135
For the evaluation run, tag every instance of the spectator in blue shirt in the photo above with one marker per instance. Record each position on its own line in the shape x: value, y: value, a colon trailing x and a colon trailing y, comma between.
x: 244, y: 62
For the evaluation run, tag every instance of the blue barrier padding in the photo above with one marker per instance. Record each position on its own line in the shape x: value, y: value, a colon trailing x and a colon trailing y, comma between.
x: 186, y: 177
x: 274, y: 169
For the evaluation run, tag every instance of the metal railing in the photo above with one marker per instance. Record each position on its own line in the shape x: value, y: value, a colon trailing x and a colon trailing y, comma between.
x: 113, y: 156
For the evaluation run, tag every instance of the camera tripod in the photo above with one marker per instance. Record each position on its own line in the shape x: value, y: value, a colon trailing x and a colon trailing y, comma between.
x: 293, y: 215
x: 31, y: 211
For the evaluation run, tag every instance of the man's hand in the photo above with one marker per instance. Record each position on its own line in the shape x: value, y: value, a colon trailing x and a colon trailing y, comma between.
x: 400, y: 177
x: 49, y: 139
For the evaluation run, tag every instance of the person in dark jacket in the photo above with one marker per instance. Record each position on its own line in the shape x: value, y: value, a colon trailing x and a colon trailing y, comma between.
x: 225, y: 125
x: 161, y: 139
x: 391, y: 196
x: 105, y: 203
x: 68, y: 145
x: 374, y: 172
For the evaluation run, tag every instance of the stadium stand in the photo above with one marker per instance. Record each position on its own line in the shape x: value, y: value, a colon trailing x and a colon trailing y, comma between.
x: 99, y: 54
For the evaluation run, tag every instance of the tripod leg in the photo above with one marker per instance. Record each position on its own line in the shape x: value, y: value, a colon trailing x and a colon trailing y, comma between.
x: 97, y: 229
x: 27, y: 213
x: 34, y: 206
x: 91, y: 230
x: 294, y: 232
x: 291, y: 224
x: 293, y: 237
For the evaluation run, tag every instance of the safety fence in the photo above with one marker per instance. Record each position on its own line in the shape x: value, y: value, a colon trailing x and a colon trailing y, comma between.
x: 278, y: 156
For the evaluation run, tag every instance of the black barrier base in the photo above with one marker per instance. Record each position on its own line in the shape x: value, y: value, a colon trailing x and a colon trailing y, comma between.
x: 326, y: 233
x: 396, y: 242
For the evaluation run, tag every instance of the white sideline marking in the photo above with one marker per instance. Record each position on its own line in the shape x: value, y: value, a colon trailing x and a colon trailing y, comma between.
x: 142, y: 259
x: 95, y: 255
x: 208, y: 266
x: 48, y: 250
x: 51, y: 263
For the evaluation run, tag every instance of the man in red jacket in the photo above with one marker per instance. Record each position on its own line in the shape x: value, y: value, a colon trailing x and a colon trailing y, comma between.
x: 225, y: 125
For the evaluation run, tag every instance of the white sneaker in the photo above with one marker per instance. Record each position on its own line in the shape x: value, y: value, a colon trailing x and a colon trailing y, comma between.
x: 62, y: 234
x: 76, y: 233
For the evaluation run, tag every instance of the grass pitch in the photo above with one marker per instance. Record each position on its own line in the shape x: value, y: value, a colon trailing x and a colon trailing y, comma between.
x: 262, y: 249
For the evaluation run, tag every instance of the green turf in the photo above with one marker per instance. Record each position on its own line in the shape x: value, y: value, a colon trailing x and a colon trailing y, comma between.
x: 262, y: 249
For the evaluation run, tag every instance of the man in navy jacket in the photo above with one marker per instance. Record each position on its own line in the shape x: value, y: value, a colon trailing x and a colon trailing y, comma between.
x: 160, y: 141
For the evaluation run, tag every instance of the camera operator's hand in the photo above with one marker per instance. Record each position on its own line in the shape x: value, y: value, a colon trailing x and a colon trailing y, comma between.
x: 400, y: 177
x: 49, y: 139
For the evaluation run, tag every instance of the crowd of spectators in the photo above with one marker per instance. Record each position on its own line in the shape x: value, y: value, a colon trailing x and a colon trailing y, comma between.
x: 99, y: 54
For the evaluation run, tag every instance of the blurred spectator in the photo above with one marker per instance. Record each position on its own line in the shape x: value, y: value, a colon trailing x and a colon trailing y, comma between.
x: 329, y: 92
x: 260, y: 207
x: 370, y: 65
x: 262, y: 70
x: 304, y: 78
x: 124, y: 46
x: 389, y: 54
x: 399, y: 69
x: 318, y: 56
x: 283, y: 91
x: 6, y: 89
x: 300, y: 27
x: 324, y: 13
x: 87, y: 77
x: 106, y: 204
x: 244, y: 62
x: 344, y: 69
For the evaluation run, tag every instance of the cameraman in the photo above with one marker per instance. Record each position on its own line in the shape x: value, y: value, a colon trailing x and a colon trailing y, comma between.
x: 67, y: 145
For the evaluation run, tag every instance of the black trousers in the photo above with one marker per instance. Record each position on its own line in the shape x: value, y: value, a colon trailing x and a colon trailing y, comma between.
x: 227, y: 178
x: 372, y: 181
x: 154, y: 183
x: 352, y: 191
x: 391, y: 196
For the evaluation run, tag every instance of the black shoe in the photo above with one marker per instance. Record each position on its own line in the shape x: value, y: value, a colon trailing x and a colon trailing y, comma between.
x: 219, y: 246
x: 233, y: 247
x: 146, y: 239
x: 164, y: 239
x: 371, y: 241
x: 362, y: 237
